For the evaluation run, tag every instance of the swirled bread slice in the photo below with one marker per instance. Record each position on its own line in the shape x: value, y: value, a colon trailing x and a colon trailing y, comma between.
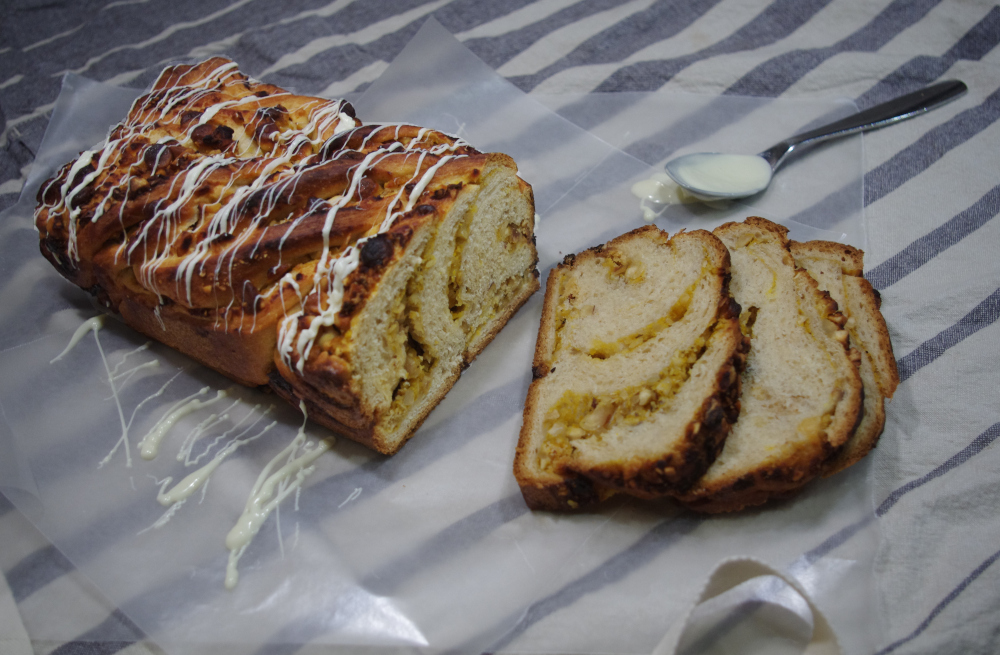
x: 636, y: 371
x: 801, y: 389
x: 273, y: 237
x: 837, y: 269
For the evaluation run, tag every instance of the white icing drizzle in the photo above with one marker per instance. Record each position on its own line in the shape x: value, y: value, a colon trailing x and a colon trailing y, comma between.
x: 125, y: 376
x: 268, y: 492
x: 144, y: 347
x: 150, y: 444
x: 290, y: 338
x: 354, y: 495
x: 199, y: 479
x: 194, y: 480
x: 90, y: 325
x: 278, y: 171
x: 94, y: 325
x: 325, y: 119
x: 184, y: 453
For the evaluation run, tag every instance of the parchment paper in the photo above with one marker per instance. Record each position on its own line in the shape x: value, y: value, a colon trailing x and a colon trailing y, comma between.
x: 433, y: 549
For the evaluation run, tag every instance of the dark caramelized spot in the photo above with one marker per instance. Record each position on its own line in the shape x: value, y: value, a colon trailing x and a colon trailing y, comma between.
x: 45, y: 193
x: 334, y: 145
x: 449, y: 191
x: 376, y: 252
x: 425, y: 209
x: 81, y: 175
x: 158, y: 156
x: 214, y: 138
x: 272, y: 114
x: 265, y: 133
x: 189, y: 116
x: 367, y: 188
x: 348, y: 109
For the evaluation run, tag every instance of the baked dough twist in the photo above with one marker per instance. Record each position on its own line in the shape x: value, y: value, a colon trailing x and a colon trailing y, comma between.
x: 273, y: 237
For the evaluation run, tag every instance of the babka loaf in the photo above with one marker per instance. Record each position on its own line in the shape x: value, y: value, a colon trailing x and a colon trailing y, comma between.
x: 636, y: 368
x: 273, y: 237
x: 801, y: 390
x: 837, y: 269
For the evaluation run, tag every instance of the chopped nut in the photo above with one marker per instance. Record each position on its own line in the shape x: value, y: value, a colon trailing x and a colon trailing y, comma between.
x: 645, y: 396
x: 553, y: 415
x: 557, y: 430
x: 596, y: 419
x: 575, y: 432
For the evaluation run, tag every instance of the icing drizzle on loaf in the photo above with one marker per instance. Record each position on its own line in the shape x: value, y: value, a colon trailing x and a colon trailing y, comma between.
x: 221, y: 194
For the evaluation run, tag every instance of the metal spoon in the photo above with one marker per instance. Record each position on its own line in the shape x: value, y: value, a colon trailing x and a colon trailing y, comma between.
x: 711, y: 175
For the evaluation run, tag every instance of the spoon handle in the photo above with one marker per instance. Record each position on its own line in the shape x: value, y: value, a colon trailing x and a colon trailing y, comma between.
x: 881, y: 115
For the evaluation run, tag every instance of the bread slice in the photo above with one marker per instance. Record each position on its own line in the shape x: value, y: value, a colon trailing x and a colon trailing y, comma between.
x: 426, y: 298
x: 801, y: 389
x: 636, y: 371
x: 273, y: 237
x: 837, y: 269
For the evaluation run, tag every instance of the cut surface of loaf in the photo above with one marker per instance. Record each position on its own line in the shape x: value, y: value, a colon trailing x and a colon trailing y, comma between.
x: 801, y: 389
x: 273, y: 237
x: 636, y: 371
x: 837, y: 269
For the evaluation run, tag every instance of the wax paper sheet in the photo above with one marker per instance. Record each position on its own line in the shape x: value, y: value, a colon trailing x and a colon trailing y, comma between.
x: 433, y: 549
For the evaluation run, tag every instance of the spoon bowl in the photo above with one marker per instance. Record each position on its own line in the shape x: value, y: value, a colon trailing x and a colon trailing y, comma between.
x: 712, y: 176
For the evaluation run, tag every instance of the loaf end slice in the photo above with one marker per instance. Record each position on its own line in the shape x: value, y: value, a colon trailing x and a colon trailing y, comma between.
x: 837, y: 269
x: 425, y: 299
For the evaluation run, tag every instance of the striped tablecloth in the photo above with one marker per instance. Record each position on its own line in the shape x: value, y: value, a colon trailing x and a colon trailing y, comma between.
x: 931, y: 189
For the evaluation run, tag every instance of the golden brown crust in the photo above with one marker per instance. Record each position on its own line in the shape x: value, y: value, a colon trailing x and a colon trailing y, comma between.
x: 873, y: 331
x: 251, y: 228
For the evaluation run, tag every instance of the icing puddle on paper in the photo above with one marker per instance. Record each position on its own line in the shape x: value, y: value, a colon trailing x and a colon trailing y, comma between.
x: 282, y: 476
x: 658, y: 191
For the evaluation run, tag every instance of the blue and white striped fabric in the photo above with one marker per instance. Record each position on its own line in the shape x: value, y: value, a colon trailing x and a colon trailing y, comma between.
x: 929, y: 189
